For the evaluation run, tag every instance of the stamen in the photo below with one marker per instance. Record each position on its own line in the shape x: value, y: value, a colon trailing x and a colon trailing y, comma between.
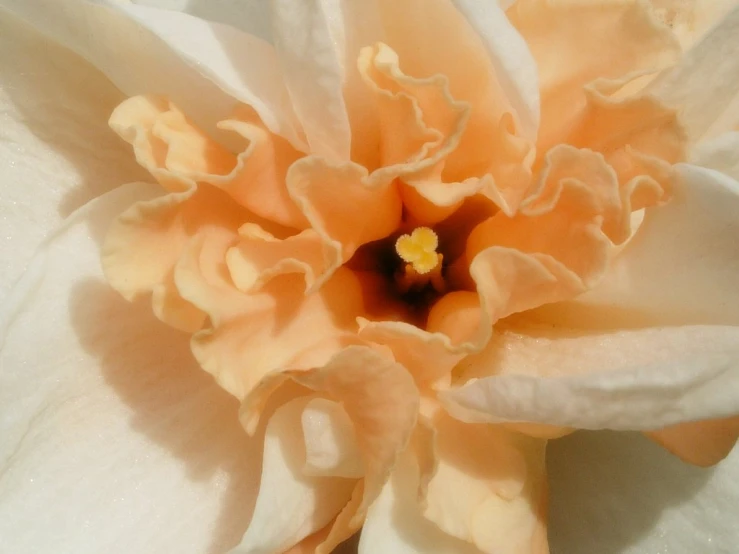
x: 423, y: 263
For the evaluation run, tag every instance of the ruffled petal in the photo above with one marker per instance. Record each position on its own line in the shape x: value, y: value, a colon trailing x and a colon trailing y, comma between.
x: 576, y: 42
x: 489, y: 487
x: 382, y: 402
x: 109, y: 427
x: 291, y: 505
x: 720, y: 154
x: 194, y: 62
x: 145, y: 243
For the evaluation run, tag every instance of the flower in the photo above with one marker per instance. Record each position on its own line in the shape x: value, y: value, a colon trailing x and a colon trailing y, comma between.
x: 203, y: 233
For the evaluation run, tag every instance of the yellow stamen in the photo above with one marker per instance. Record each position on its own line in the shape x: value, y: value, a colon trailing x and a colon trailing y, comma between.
x: 423, y: 263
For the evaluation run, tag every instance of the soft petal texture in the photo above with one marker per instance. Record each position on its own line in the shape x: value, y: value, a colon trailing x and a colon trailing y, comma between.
x: 396, y: 524
x: 720, y: 154
x: 613, y: 379
x: 487, y: 474
x: 690, y: 20
x: 647, y: 500
x: 381, y: 400
x: 510, y: 56
x: 702, y: 443
x: 704, y: 85
x: 330, y: 440
x: 309, y: 37
x: 49, y: 170
x: 113, y: 440
x: 193, y: 61
x: 575, y: 42
x: 291, y: 505
x: 687, y: 248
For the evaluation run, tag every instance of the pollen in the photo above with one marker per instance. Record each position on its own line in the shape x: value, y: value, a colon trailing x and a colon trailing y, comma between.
x: 419, y: 250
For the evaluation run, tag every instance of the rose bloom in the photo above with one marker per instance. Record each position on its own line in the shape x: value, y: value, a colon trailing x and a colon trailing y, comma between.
x: 411, y: 242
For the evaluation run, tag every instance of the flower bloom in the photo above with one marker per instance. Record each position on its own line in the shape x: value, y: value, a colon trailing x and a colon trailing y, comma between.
x: 415, y: 270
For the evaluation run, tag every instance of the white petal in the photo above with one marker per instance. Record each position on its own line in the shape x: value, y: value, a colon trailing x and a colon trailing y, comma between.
x: 681, y: 267
x: 113, y: 440
x: 310, y: 38
x: 394, y: 522
x: 618, y: 493
x: 291, y: 506
x: 510, y: 56
x: 720, y: 153
x: 203, y: 66
x: 330, y: 441
x: 251, y: 16
x: 705, y: 85
x: 591, y: 379
x: 56, y: 151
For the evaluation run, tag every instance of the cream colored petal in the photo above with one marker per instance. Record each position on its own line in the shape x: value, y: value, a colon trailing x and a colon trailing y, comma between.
x: 641, y: 378
x: 720, y: 153
x: 690, y: 20
x: 310, y: 40
x: 489, y: 487
x: 291, y: 504
x: 511, y: 58
x: 113, y: 440
x: 395, y: 523
x: 56, y: 152
x: 193, y: 61
x: 705, y: 85
x: 681, y: 266
x: 330, y: 441
x: 576, y: 42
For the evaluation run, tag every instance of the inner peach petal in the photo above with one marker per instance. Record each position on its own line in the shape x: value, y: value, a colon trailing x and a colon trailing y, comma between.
x: 703, y: 443
x: 575, y: 42
x: 145, y: 243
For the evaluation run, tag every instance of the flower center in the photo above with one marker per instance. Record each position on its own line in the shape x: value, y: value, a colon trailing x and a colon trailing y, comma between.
x: 423, y: 263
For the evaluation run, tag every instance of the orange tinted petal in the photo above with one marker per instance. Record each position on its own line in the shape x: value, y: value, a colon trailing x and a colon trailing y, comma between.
x: 703, y: 443
x: 145, y: 243
x: 167, y: 144
x: 575, y: 42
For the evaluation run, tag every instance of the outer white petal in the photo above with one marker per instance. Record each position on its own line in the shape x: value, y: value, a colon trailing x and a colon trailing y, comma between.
x: 705, y: 85
x: 56, y: 151
x: 720, y: 153
x: 511, y: 58
x: 291, y: 505
x: 310, y: 38
x: 681, y: 267
x: 113, y: 440
x: 619, y: 493
x: 395, y: 524
x: 204, y: 67
x: 251, y: 16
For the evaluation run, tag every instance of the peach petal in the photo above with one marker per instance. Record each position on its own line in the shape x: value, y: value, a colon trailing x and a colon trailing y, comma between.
x: 145, y: 243
x: 259, y: 256
x: 344, y: 205
x: 487, y: 474
x: 702, y: 443
x: 277, y: 328
x: 167, y: 144
x: 575, y: 42
x: 291, y: 505
x: 382, y: 401
x: 258, y: 179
